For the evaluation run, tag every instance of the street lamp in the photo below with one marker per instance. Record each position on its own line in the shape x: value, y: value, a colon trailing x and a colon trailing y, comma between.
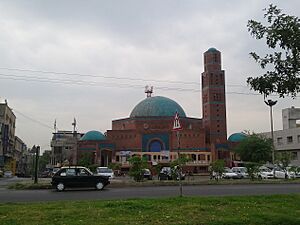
x: 271, y: 103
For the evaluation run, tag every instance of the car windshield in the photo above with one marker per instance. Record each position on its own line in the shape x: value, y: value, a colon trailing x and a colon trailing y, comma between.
x: 104, y: 170
x: 227, y: 170
x: 265, y: 170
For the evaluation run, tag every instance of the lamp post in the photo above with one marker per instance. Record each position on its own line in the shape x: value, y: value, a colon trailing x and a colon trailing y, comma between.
x: 271, y: 103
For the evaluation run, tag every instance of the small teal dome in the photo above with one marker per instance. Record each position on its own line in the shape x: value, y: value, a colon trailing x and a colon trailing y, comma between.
x: 237, y: 137
x: 157, y: 106
x: 93, y: 135
x: 212, y: 50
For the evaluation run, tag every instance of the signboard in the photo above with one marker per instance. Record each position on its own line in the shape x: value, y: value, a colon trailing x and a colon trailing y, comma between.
x: 176, y: 123
x: 125, y: 153
x: 165, y: 153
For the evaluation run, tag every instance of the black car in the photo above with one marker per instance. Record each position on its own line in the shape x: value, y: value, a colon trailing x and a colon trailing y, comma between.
x: 74, y: 176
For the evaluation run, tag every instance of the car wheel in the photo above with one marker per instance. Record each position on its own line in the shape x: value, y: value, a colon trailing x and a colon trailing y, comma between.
x: 99, y: 186
x: 60, y: 187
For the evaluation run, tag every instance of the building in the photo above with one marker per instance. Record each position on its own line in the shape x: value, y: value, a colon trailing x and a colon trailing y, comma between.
x: 64, y: 147
x: 95, y: 148
x: 148, y: 131
x: 7, y: 134
x: 288, y: 139
x: 20, y: 156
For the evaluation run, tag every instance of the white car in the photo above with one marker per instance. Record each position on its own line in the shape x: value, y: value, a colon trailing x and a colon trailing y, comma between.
x: 228, y: 174
x: 240, y: 171
x: 281, y: 174
x: 105, y: 171
x: 265, y: 173
x: 8, y: 174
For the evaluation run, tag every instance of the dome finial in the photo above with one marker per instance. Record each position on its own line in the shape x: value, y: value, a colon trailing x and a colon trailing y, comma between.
x: 149, y: 91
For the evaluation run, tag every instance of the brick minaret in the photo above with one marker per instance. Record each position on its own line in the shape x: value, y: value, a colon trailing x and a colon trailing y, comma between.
x: 213, y: 98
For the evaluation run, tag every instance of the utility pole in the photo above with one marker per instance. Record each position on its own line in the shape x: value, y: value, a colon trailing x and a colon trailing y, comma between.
x: 271, y: 103
x: 177, y: 127
x: 37, y: 152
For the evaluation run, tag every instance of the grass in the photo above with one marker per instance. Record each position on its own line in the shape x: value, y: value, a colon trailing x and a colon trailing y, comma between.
x: 267, y: 210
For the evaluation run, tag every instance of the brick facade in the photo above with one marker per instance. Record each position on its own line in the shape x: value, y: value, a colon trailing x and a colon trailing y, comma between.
x: 202, y: 140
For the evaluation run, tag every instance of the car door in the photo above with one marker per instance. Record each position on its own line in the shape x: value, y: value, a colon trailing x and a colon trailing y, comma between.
x: 84, y: 178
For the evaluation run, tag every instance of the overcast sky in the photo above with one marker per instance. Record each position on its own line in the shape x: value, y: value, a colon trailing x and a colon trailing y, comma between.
x: 103, y: 53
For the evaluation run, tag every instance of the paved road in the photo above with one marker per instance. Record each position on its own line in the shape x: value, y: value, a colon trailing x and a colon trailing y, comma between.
x: 149, y: 192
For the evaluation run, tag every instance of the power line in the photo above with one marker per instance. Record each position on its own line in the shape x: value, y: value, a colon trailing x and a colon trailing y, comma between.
x: 84, y: 83
x: 109, y: 77
x: 33, y: 120
x: 93, y: 83
x: 99, y: 76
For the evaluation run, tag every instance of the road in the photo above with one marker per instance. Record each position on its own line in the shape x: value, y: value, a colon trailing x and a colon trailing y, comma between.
x: 146, y: 192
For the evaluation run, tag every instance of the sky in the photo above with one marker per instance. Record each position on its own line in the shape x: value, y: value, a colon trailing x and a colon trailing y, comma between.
x: 91, y: 60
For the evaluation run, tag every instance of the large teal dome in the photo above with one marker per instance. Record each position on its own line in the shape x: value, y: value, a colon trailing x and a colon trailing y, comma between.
x: 237, y: 137
x: 93, y: 135
x: 157, y: 106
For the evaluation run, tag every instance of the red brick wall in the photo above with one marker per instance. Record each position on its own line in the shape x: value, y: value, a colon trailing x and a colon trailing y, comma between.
x: 213, y: 98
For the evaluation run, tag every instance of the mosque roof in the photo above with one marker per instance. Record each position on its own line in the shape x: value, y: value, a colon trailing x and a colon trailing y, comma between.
x: 212, y: 50
x: 237, y: 137
x: 93, y: 135
x: 157, y: 106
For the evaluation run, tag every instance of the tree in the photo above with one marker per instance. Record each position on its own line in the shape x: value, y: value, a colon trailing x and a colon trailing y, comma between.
x: 177, y: 166
x: 44, y: 160
x: 252, y: 169
x: 282, y: 36
x: 217, y: 168
x: 85, y: 159
x: 138, y: 165
x: 284, y: 159
x: 255, y: 148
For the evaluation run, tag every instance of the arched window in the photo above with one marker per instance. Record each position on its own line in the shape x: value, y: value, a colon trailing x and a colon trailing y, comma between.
x: 155, y: 146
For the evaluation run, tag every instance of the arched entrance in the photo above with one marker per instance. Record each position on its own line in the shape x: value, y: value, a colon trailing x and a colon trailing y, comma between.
x: 155, y: 146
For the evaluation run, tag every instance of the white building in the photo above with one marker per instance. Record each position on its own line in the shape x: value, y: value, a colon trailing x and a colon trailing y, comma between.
x: 288, y: 139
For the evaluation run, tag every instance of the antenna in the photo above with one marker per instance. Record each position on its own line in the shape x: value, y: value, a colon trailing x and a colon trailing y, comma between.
x: 74, y: 125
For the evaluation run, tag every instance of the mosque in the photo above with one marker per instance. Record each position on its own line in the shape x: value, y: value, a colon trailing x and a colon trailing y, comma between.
x: 148, y: 131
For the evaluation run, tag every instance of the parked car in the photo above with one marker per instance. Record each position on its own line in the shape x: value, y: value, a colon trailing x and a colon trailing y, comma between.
x: 228, y: 174
x: 45, y: 174
x: 265, y: 173
x: 147, y: 174
x: 167, y: 173
x: 1, y: 173
x: 240, y: 171
x: 281, y: 174
x: 8, y: 173
x: 74, y: 176
x: 296, y: 171
x: 105, y: 171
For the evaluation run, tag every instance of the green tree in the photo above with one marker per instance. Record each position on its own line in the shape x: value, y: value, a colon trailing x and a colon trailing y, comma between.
x: 217, y: 168
x: 283, y: 159
x: 177, y: 166
x: 252, y: 169
x: 138, y: 164
x: 85, y: 159
x: 282, y: 35
x: 44, y: 160
x: 255, y: 148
